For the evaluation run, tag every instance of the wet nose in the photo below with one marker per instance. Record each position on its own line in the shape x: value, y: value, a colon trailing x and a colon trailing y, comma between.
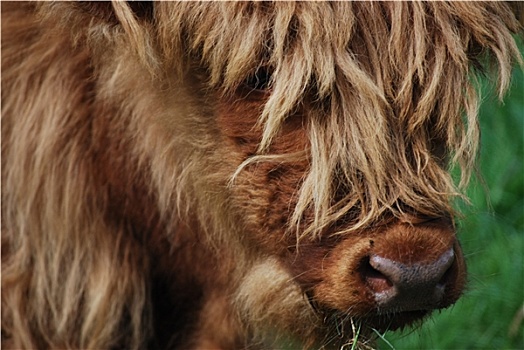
x: 400, y: 287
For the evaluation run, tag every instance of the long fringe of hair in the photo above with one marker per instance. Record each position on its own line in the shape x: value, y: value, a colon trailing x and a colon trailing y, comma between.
x: 395, y: 96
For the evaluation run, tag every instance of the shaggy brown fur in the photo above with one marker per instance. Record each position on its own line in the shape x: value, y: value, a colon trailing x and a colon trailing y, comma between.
x: 222, y: 175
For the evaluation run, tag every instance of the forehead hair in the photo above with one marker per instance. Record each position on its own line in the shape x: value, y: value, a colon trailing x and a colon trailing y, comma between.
x: 393, y: 79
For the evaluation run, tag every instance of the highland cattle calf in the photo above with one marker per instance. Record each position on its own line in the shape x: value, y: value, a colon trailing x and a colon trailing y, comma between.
x: 236, y: 175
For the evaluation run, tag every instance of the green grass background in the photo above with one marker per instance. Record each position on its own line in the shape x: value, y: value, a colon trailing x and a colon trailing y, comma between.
x: 492, y: 236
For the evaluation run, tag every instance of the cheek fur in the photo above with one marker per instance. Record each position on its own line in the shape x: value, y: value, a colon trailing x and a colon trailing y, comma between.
x: 263, y: 192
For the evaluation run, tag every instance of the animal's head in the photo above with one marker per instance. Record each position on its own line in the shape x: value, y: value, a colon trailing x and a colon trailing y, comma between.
x: 340, y: 124
x: 320, y: 137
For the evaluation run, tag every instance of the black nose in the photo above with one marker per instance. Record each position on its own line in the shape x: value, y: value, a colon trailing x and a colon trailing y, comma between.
x: 401, y: 287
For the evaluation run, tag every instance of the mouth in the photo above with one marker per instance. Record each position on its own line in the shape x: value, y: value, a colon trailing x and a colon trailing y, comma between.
x: 377, y: 320
x: 393, y: 321
x: 367, y: 328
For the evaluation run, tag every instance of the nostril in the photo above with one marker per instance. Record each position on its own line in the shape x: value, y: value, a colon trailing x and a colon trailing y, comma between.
x: 447, y: 276
x: 375, y: 279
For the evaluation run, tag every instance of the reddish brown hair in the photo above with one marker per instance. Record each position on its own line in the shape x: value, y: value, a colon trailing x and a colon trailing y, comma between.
x: 194, y: 174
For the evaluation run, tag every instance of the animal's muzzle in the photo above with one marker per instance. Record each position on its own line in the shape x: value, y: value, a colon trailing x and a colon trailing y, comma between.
x: 397, y: 286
